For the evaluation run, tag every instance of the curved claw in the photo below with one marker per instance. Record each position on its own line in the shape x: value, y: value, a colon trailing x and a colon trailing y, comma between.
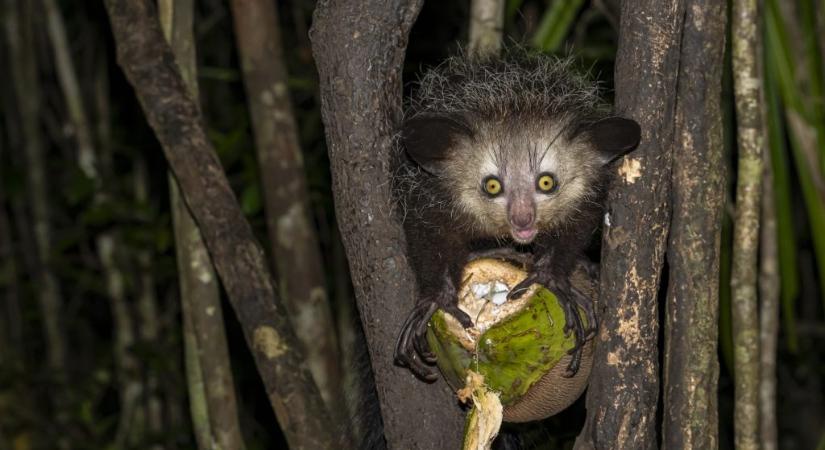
x: 411, y: 348
x: 573, y: 323
x: 462, y: 317
x: 522, y: 287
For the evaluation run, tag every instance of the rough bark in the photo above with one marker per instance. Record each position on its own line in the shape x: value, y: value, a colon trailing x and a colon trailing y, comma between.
x: 691, y: 372
x: 209, y: 374
x: 294, y: 244
x: 149, y: 65
x: 359, y: 48
x: 486, y: 26
x: 746, y: 223
x: 624, y: 388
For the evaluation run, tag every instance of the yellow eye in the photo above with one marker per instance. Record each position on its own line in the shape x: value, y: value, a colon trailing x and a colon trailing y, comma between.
x: 546, y: 183
x: 492, y: 186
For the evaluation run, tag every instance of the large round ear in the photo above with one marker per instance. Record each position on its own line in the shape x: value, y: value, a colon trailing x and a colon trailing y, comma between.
x: 614, y: 137
x: 428, y: 138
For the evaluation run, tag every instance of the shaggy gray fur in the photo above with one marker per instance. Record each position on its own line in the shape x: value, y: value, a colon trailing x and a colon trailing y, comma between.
x: 517, y: 82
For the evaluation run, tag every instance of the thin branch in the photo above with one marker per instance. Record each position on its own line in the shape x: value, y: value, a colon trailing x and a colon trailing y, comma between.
x: 746, y: 223
x: 769, y: 287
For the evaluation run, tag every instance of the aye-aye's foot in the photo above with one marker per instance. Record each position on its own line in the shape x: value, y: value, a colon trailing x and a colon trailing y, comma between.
x: 412, y: 349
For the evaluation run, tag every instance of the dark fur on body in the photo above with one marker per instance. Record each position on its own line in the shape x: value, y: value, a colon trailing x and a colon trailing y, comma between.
x: 513, y: 118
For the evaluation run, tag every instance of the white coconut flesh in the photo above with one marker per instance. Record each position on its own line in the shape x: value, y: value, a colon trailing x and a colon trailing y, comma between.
x: 483, y: 296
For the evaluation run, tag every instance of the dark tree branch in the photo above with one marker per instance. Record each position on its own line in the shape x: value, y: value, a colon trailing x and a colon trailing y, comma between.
x: 623, y: 394
x: 359, y: 48
x: 150, y: 67
x: 691, y: 369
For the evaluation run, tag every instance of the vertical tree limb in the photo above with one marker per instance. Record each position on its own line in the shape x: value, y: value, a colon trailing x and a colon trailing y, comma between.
x: 624, y: 387
x: 778, y: 275
x: 486, y: 26
x: 690, y: 417
x: 294, y: 245
x: 67, y: 76
x: 209, y: 375
x: 746, y: 223
x: 769, y: 286
x: 24, y: 77
x: 359, y: 48
x: 149, y: 64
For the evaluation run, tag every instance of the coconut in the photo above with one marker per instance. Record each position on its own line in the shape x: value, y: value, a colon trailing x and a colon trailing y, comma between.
x: 517, y: 347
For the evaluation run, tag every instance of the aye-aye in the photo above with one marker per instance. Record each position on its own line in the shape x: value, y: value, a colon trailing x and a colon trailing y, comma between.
x: 506, y: 154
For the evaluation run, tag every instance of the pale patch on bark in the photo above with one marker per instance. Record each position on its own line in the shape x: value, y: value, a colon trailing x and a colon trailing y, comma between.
x: 267, y: 341
x: 291, y: 226
x: 630, y: 170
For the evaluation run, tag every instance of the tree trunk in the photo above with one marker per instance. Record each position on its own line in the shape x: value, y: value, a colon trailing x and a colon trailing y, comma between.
x: 623, y: 394
x: 359, y: 59
x: 209, y: 374
x: 294, y: 245
x: 149, y: 65
x: 690, y: 417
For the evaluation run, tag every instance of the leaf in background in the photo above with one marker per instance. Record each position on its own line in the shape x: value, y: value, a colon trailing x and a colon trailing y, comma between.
x: 251, y: 200
x: 788, y: 270
x: 803, y: 131
x: 556, y: 24
x: 512, y: 9
x: 816, y: 78
x: 80, y: 188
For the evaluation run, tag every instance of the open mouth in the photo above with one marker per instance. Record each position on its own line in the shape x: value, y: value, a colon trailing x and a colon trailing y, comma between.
x: 523, y: 235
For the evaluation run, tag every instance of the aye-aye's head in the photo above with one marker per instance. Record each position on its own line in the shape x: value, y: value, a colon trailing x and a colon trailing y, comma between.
x: 520, y: 142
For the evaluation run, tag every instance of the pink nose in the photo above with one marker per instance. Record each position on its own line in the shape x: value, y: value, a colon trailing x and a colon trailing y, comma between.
x: 522, y: 214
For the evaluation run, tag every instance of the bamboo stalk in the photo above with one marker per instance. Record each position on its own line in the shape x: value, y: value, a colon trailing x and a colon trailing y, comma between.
x: 746, y: 223
x: 209, y: 374
x: 24, y: 77
x: 486, y: 26
x: 769, y: 287
x: 67, y: 76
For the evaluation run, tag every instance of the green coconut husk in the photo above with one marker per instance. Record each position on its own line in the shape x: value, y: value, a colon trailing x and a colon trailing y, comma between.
x: 518, y: 349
